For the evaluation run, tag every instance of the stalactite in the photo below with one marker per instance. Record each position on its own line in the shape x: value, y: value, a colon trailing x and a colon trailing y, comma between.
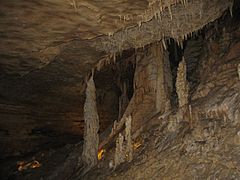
x: 128, y: 138
x: 182, y: 84
x: 119, y: 156
x: 91, y: 138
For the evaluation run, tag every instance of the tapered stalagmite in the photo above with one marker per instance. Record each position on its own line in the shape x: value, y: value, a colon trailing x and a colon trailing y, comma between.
x: 91, y: 138
x: 182, y: 84
x: 128, y: 138
x: 119, y: 156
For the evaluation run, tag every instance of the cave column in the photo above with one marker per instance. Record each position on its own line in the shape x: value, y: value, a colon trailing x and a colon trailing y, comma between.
x: 164, y: 79
x: 152, y: 91
x: 152, y: 85
x: 91, y: 138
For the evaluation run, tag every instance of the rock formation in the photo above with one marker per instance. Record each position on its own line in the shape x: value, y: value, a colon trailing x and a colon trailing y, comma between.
x: 163, y: 102
x: 119, y: 156
x: 91, y: 138
x: 182, y: 89
x: 164, y: 79
x: 182, y: 84
x: 128, y: 138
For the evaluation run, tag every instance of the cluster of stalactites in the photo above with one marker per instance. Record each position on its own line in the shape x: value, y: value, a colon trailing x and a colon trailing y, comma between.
x: 124, y: 149
x: 91, y: 138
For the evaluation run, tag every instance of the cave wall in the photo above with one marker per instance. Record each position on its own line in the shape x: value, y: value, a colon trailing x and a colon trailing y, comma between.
x: 219, y: 79
x: 25, y: 129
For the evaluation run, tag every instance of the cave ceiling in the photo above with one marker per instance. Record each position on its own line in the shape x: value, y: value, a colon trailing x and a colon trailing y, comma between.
x: 47, y: 47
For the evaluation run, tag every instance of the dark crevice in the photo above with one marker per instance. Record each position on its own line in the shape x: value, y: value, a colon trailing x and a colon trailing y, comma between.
x: 175, y: 56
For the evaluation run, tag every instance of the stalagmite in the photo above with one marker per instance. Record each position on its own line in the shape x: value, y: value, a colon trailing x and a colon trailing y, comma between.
x: 128, y: 138
x: 182, y: 84
x: 91, y: 139
x: 182, y: 92
x: 119, y: 156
